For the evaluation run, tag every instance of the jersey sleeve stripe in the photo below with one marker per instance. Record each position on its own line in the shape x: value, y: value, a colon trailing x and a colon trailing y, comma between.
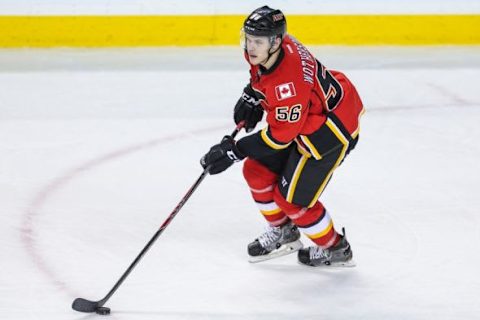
x: 256, y: 147
x: 355, y: 133
x: 271, y: 142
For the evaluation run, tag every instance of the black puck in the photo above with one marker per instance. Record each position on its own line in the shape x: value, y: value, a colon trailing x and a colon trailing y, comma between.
x: 102, y: 310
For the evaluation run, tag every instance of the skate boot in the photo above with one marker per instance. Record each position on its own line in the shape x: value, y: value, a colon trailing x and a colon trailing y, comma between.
x: 339, y: 256
x: 275, y: 242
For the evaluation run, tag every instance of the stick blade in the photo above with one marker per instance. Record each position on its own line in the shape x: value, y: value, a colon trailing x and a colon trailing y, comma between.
x: 83, y: 305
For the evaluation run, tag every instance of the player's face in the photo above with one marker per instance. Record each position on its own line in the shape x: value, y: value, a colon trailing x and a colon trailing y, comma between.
x: 257, y: 48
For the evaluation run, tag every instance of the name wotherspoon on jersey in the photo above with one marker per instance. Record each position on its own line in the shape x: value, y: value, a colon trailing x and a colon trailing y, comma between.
x: 308, y: 62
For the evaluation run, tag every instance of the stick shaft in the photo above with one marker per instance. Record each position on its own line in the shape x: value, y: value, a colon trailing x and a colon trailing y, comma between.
x: 162, y: 227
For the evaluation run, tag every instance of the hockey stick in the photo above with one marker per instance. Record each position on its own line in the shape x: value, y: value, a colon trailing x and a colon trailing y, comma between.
x: 84, y: 305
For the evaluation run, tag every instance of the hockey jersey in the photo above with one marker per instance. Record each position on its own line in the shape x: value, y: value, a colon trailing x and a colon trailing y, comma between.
x: 298, y: 93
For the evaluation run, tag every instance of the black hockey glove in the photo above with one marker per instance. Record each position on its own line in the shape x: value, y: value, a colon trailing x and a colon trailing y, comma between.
x: 248, y: 109
x: 221, y: 156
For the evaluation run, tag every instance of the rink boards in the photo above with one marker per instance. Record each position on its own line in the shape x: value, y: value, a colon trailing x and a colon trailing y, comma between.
x: 134, y: 23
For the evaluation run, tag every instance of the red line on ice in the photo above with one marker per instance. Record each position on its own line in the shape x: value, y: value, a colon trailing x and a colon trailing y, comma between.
x: 33, y: 209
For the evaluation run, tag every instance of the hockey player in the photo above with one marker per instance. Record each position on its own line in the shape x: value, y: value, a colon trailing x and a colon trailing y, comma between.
x: 312, y: 116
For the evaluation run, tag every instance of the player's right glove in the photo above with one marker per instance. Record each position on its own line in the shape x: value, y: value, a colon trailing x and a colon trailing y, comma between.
x: 221, y: 156
x: 248, y: 109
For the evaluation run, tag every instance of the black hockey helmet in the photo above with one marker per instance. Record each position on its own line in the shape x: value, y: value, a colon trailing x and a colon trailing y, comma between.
x: 266, y: 21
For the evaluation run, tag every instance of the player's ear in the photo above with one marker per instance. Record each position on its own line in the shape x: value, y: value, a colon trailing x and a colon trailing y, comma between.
x: 277, y: 43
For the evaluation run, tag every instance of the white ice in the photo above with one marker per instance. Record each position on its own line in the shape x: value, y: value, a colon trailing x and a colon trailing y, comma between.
x: 98, y: 146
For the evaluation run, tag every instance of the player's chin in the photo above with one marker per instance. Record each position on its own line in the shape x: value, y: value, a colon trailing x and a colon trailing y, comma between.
x: 254, y: 60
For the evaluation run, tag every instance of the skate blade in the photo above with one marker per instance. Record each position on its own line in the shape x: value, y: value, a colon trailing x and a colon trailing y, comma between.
x: 282, y: 251
x: 339, y: 265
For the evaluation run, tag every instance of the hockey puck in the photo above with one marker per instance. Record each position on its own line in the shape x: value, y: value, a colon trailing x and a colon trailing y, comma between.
x: 102, y: 310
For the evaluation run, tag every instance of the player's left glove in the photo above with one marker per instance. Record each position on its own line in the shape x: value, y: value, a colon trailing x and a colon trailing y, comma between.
x: 221, y: 156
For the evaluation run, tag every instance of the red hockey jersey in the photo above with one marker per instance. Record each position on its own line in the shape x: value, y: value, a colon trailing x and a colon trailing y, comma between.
x: 297, y: 93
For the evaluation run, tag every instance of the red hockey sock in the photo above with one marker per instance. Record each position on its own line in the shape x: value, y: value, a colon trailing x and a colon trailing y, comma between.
x: 314, y: 222
x: 262, y: 183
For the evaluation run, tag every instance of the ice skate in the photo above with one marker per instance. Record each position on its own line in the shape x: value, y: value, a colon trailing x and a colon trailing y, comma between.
x: 274, y: 243
x: 338, y: 256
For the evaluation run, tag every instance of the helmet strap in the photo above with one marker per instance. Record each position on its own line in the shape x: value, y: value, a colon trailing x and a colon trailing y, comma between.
x: 272, y: 40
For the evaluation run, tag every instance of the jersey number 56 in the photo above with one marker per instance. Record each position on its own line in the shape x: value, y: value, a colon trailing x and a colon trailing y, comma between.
x: 288, y: 114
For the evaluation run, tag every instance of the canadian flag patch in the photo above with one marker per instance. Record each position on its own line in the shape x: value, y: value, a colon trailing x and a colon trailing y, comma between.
x: 285, y: 91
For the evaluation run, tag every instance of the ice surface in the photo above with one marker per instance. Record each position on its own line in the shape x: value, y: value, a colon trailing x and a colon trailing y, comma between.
x: 97, y: 148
